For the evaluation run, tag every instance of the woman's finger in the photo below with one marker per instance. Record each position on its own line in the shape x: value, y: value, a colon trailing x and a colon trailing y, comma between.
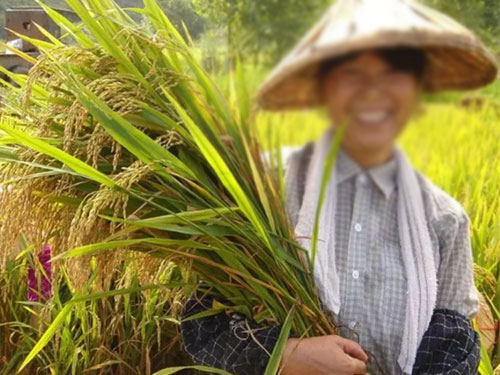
x: 354, y: 350
x: 357, y: 367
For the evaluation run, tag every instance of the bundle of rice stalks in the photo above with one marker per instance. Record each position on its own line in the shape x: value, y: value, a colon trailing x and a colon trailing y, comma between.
x: 121, y: 141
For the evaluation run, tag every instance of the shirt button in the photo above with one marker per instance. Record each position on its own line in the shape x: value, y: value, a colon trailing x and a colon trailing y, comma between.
x: 362, y: 179
x: 358, y: 227
x: 355, y: 274
x: 352, y: 324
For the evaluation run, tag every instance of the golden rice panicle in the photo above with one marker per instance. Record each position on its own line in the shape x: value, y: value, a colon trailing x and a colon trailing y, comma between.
x: 121, y: 92
x: 148, y: 267
x: 87, y: 227
x: 98, y: 140
x: 79, y: 269
x: 170, y: 139
x: 27, y: 207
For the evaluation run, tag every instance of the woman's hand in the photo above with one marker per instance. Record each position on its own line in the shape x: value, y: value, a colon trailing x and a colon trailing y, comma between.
x: 323, y: 355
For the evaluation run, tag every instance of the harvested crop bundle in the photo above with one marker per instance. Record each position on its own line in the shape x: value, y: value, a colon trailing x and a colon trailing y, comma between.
x: 125, y: 142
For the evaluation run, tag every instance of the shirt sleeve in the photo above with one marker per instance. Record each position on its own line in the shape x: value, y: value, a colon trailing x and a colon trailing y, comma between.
x: 456, y: 289
x: 230, y: 342
x: 450, y: 346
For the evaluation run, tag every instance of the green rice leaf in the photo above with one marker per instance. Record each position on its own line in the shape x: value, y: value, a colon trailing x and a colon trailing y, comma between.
x: 203, y: 314
x: 67, y: 26
x: 182, y: 217
x: 47, y: 335
x: 49, y: 36
x: 18, y: 52
x: 173, y: 370
x: 105, y: 39
x: 138, y: 143
x: 68, y: 307
x: 41, y: 146
x: 40, y: 44
x: 274, y: 362
x: 111, y: 245
x: 485, y: 365
x: 222, y: 170
x: 327, y: 173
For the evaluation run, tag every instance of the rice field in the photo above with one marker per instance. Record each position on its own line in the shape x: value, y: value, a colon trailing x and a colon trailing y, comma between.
x: 80, y: 180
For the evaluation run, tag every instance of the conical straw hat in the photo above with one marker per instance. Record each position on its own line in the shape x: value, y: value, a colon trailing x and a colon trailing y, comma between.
x: 457, y: 59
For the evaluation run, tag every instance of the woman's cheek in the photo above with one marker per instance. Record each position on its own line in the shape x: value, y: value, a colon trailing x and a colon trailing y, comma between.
x: 340, y: 98
x: 406, y: 97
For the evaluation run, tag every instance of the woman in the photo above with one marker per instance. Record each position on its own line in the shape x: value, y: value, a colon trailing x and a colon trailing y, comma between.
x: 394, y: 264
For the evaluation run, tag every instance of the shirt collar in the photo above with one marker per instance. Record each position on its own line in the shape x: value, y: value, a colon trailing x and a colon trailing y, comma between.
x: 384, y: 175
x: 346, y: 167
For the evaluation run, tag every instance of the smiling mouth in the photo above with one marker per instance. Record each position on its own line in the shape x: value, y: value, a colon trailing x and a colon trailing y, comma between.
x: 372, y: 118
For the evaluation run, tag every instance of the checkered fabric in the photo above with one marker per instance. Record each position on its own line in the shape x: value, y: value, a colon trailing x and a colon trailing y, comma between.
x: 223, y: 340
x: 450, y: 346
x: 369, y: 263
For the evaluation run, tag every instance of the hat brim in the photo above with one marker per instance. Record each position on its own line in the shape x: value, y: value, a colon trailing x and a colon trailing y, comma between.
x: 455, y: 62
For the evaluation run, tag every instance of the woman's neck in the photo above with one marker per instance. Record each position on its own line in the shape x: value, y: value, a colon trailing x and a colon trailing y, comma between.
x: 370, y: 158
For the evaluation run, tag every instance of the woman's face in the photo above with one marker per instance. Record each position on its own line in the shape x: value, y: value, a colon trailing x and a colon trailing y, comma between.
x: 378, y: 99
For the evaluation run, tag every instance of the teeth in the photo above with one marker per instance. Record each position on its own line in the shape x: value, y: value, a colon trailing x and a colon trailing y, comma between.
x: 373, y: 117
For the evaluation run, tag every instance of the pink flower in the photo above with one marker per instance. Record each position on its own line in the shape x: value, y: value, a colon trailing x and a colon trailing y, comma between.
x: 40, y: 283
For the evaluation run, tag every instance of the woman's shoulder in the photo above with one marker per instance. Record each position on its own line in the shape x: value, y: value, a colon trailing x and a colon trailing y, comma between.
x: 296, y: 163
x: 289, y: 154
x: 443, y: 211
x: 297, y: 154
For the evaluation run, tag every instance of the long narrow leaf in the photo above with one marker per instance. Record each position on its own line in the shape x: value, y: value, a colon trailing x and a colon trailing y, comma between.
x: 76, y: 164
x: 173, y: 370
x: 274, y: 362
x: 327, y: 173
x: 126, y: 134
x: 47, y: 335
x: 222, y: 170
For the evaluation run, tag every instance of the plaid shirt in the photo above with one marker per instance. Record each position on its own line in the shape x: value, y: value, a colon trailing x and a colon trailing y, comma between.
x: 373, y: 282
